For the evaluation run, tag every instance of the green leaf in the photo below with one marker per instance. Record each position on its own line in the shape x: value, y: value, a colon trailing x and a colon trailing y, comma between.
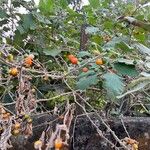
x: 145, y: 74
x: 126, y: 61
x: 86, y: 82
x: 124, y: 46
x: 115, y: 41
x: 83, y: 54
x: 108, y: 24
x: 64, y: 3
x: 126, y: 69
x: 52, y: 52
x: 106, y: 3
x: 16, y: 3
x: 41, y: 18
x: 46, y: 6
x: 136, y: 85
x: 142, y: 48
x: 20, y: 29
x: 3, y: 14
x: 4, y: 21
x: 113, y: 85
x: 85, y: 74
x: 94, y: 3
x: 18, y: 38
x: 91, y: 30
x: 28, y: 22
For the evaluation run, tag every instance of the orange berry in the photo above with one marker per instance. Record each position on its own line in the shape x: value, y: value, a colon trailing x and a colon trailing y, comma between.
x: 17, y: 125
x: 58, y: 143
x: 5, y: 116
x: 84, y: 69
x: 131, y: 141
x: 74, y: 60
x: 71, y: 56
x: 8, y: 114
x: 99, y: 61
x: 13, y: 71
x: 28, y: 61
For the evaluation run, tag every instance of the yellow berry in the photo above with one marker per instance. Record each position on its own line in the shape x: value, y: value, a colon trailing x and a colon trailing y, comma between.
x: 38, y: 144
x: 15, y: 132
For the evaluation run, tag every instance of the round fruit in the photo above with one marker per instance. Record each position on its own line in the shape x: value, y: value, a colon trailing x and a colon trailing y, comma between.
x: 17, y: 125
x: 58, y: 143
x: 74, y: 60
x: 38, y: 144
x: 13, y: 71
x: 5, y: 116
x: 10, y: 57
x: 29, y: 120
x: 84, y: 69
x: 135, y: 147
x: 99, y: 61
x: 33, y: 90
x: 71, y: 56
x: 28, y: 61
x: 15, y: 132
x: 26, y: 116
x: 8, y: 114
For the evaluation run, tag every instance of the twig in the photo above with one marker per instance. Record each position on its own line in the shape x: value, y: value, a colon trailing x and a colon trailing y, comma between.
x: 109, y: 129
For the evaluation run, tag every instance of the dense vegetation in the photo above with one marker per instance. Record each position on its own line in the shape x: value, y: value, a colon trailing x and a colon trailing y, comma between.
x: 64, y: 57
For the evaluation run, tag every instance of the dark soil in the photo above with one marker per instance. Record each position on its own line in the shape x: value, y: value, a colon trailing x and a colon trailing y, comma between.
x: 86, y: 136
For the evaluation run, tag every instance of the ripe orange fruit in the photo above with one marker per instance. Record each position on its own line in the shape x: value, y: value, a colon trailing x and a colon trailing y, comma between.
x: 99, y: 61
x: 8, y: 114
x: 85, y: 69
x: 58, y: 143
x: 5, y: 116
x: 28, y: 62
x: 13, y: 71
x: 17, y: 125
x: 74, y: 60
x: 71, y: 56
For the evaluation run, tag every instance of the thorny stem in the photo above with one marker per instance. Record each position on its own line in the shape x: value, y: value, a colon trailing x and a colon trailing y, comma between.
x: 109, y: 129
x: 99, y: 131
